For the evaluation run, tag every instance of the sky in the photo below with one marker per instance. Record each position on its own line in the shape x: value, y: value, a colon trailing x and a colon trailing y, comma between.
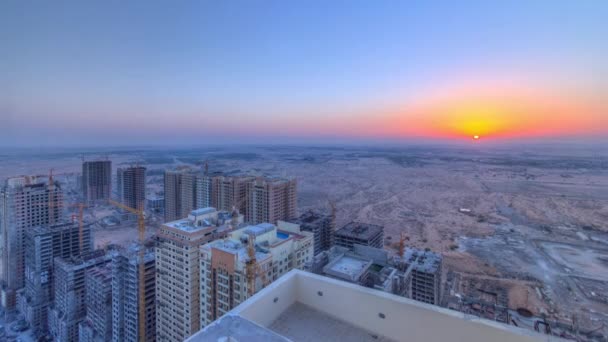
x: 190, y: 72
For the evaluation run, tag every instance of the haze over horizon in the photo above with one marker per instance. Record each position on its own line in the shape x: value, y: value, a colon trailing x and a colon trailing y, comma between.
x: 141, y: 73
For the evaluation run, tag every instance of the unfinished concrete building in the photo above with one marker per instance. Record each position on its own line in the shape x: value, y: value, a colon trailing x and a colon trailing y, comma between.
x: 125, y: 292
x: 131, y: 184
x: 177, y: 269
x: 229, y: 275
x: 42, y: 245
x: 270, y: 200
x: 423, y: 269
x: 96, y: 180
x: 97, y: 326
x: 358, y: 233
x: 25, y: 202
x: 321, y: 225
x: 69, y: 306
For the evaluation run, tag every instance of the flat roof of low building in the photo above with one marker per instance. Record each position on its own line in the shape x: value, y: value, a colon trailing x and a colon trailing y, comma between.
x: 347, y: 267
x: 259, y: 229
x: 202, y: 211
x: 422, y: 260
x: 360, y: 230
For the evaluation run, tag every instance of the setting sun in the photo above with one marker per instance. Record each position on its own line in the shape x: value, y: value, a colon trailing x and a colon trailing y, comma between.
x: 476, y: 137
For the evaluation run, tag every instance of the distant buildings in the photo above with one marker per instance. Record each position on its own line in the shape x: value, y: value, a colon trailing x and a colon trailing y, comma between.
x: 42, y: 245
x: 25, y: 202
x: 131, y: 183
x: 365, y: 234
x: 96, y: 180
x: 228, y: 275
x: 260, y: 199
x: 156, y: 204
x: 125, y: 292
x: 321, y: 225
x: 177, y: 270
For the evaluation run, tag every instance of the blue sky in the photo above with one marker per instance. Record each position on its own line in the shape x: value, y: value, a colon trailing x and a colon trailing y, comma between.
x: 134, y: 71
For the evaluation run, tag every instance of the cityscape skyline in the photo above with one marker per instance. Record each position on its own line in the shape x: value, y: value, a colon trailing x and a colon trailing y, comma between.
x: 126, y: 74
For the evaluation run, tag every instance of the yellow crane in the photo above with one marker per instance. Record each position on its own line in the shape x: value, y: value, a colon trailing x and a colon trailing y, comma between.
x: 141, y: 228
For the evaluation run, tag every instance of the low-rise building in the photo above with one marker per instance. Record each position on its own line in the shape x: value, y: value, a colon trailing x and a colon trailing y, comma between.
x: 358, y: 233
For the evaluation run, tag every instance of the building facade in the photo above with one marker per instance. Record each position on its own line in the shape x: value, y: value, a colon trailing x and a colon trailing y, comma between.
x: 69, y: 305
x: 177, y: 270
x: 180, y: 194
x: 42, y: 245
x: 97, y: 326
x: 131, y: 183
x: 125, y: 292
x: 271, y: 200
x: 96, y: 180
x: 25, y: 202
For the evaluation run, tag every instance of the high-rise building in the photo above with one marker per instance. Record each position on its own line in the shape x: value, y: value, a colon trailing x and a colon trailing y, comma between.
x: 42, y: 245
x: 423, y: 268
x: 204, y: 190
x: 180, y: 194
x: 25, y: 202
x: 96, y: 180
x: 270, y: 200
x: 321, y: 225
x: 358, y: 233
x: 177, y: 270
x: 132, y: 186
x: 230, y: 191
x: 97, y: 326
x: 228, y: 273
x: 69, y: 305
x: 125, y: 295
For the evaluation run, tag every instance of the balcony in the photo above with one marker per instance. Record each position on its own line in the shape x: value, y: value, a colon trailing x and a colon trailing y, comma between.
x: 301, y: 306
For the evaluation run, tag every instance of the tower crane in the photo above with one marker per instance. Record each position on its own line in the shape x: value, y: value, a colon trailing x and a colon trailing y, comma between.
x: 141, y: 229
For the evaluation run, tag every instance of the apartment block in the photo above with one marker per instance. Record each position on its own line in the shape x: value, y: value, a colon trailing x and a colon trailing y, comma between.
x: 321, y: 225
x: 247, y: 260
x: 358, y: 233
x: 42, y: 245
x: 96, y: 180
x: 230, y: 191
x: 97, y: 326
x: 25, y: 202
x: 271, y: 200
x: 125, y: 295
x: 204, y: 186
x: 131, y: 183
x: 177, y: 269
x: 69, y: 305
x: 180, y: 194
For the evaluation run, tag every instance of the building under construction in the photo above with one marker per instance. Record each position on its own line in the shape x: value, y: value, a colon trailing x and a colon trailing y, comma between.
x: 42, y: 245
x: 125, y: 294
x: 25, y: 202
x: 97, y: 326
x: 96, y: 180
x: 423, y: 271
x: 358, y: 233
x: 321, y: 225
x: 69, y: 305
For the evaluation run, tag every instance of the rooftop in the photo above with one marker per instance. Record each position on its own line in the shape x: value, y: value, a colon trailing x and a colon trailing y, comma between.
x: 347, y: 267
x: 421, y: 260
x: 360, y: 230
x: 301, y: 306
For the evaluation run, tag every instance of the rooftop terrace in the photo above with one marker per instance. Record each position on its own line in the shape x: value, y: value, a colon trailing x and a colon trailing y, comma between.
x: 301, y: 306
